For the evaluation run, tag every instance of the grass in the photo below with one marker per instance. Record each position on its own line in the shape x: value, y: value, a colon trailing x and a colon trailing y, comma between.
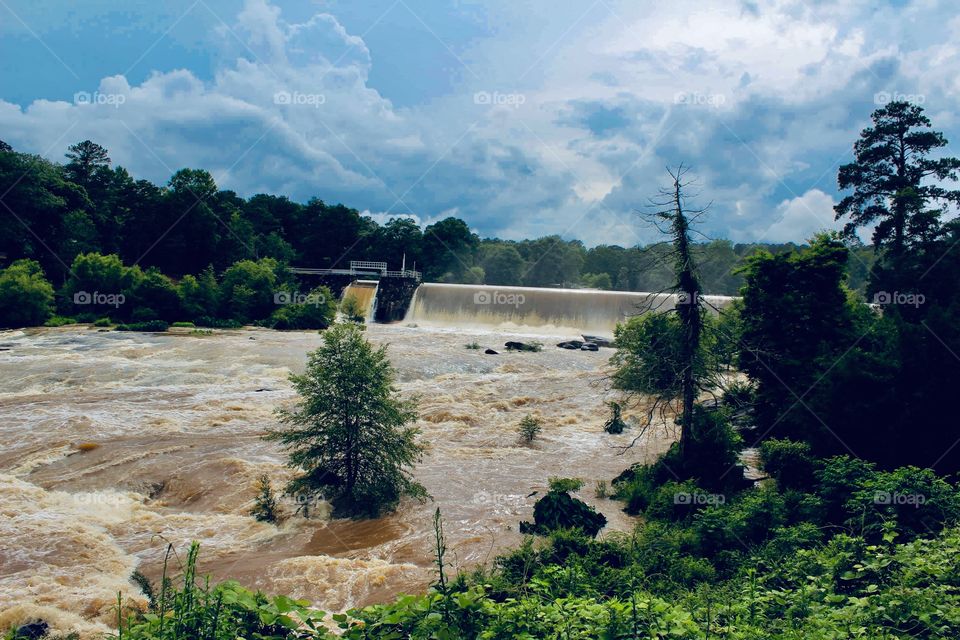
x: 473, y: 345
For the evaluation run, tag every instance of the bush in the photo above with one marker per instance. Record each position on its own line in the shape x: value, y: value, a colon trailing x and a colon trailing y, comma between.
x: 318, y: 313
x: 59, y: 321
x: 26, y: 298
x: 789, y: 463
x: 265, y: 508
x: 150, y: 326
x: 247, y: 289
x: 103, y: 322
x: 183, y: 325
x: 154, y: 296
x: 917, y: 500
x: 559, y: 510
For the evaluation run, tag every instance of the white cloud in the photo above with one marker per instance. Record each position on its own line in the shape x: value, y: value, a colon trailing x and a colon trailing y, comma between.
x: 800, y: 218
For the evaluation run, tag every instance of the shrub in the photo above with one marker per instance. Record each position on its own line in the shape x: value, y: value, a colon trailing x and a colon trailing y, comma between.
x: 150, y: 326
x: 317, y: 313
x: 26, y: 298
x: 917, y: 500
x: 789, y: 463
x: 615, y: 423
x: 473, y: 345
x: 103, y: 322
x: 183, y: 325
x: 154, y: 296
x: 59, y: 321
x: 559, y: 510
x: 529, y: 429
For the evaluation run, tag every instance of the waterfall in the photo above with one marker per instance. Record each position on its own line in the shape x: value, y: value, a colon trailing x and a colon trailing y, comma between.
x: 561, y: 310
x: 365, y: 293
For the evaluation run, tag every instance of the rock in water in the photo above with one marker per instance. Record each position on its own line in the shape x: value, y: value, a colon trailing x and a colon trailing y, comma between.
x: 32, y: 631
x: 589, y: 346
x: 597, y: 340
x: 570, y: 344
x: 491, y: 352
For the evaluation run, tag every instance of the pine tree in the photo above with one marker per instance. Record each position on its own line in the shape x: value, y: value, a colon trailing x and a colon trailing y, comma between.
x: 349, y: 433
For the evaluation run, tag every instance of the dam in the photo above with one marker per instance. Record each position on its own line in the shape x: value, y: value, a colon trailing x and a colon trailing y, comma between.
x: 526, y: 308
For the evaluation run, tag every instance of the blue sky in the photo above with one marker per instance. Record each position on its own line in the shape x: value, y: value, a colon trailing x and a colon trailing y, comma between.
x: 523, y: 118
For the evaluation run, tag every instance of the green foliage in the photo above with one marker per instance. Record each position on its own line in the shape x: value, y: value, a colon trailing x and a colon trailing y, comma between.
x: 59, y: 321
x: 317, y: 312
x: 350, y: 307
x: 473, y: 346
x: 247, y: 289
x: 222, y: 612
x: 559, y: 510
x: 148, y: 326
x: 529, y: 429
x: 790, y: 463
x: 615, y: 423
x: 265, y: 508
x: 183, y: 325
x: 103, y: 322
x: 26, y: 298
x: 348, y: 435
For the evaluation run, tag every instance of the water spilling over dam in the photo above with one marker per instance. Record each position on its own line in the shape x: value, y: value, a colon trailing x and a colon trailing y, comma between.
x: 364, y: 292
x: 552, y: 310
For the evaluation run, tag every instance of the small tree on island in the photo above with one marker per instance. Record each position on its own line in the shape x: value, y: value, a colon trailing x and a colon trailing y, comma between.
x: 349, y: 433
x: 265, y: 508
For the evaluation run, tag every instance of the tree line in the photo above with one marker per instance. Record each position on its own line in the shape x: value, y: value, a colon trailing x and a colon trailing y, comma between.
x: 54, y: 212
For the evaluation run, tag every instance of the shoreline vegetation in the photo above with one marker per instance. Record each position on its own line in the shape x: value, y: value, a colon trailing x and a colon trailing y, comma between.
x: 853, y: 531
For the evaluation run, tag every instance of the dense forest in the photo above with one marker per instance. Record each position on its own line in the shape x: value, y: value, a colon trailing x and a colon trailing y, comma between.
x: 55, y: 212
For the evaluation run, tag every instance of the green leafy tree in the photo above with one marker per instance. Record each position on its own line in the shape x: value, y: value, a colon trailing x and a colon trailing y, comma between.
x: 26, y: 298
x: 265, y: 508
x: 349, y: 435
x: 199, y: 295
x: 247, y: 289
x: 503, y: 264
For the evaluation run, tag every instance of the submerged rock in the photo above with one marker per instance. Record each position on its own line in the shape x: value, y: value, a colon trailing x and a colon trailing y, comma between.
x: 522, y: 346
x: 491, y: 352
x: 570, y: 344
x: 589, y: 346
x: 32, y: 631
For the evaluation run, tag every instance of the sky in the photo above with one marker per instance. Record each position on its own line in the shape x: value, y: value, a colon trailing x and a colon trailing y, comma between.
x: 523, y: 118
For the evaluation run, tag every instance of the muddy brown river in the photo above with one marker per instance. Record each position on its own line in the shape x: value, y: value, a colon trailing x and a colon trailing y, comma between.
x: 113, y: 444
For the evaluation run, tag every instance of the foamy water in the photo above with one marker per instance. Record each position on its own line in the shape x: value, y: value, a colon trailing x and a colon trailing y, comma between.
x: 177, y: 422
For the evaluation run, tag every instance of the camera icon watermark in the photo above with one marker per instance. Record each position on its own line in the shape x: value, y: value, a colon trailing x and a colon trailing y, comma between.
x: 897, y: 297
x: 295, y: 297
x: 687, y: 297
x: 882, y: 98
x: 698, y: 99
x: 499, y: 298
x: 698, y: 499
x: 97, y: 298
x: 895, y: 499
x: 297, y: 99
x: 111, y: 99
x: 497, y: 99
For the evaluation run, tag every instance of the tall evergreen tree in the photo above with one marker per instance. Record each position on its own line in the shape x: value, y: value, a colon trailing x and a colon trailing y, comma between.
x: 349, y: 434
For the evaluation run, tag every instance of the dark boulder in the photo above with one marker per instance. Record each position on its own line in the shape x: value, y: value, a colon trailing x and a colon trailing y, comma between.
x: 570, y: 344
x: 599, y: 341
x: 589, y: 346
x: 522, y: 346
x: 32, y: 631
x: 491, y: 352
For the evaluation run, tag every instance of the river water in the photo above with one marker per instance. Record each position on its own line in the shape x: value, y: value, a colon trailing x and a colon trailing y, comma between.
x: 112, y: 444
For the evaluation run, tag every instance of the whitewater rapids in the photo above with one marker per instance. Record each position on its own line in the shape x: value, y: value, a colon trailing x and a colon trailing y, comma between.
x: 112, y: 444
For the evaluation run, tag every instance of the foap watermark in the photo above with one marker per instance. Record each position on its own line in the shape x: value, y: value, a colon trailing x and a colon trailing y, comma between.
x: 111, y: 99
x: 886, y: 97
x: 894, y: 498
x: 699, y: 499
x: 499, y: 298
x: 897, y: 297
x: 298, y: 99
x: 699, y: 99
x: 295, y: 297
x: 497, y: 99
x: 97, y: 298
x: 497, y: 499
x: 686, y: 297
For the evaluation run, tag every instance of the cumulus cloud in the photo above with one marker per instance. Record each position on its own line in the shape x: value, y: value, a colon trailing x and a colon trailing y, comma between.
x: 801, y: 217
x: 561, y: 121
